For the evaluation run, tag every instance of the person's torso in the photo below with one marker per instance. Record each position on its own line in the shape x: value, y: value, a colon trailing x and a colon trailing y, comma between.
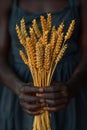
x: 66, y: 15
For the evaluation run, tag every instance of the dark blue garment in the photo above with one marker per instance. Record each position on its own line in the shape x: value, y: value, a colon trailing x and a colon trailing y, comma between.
x: 74, y: 116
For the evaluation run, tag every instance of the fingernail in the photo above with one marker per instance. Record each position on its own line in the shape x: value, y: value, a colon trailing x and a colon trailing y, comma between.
x: 39, y: 95
x: 42, y: 100
x: 41, y: 90
x: 21, y: 96
x: 45, y: 108
x: 42, y: 105
x: 22, y: 89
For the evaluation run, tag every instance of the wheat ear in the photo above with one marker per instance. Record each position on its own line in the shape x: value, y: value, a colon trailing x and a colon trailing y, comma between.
x: 70, y: 30
x: 23, y: 28
x: 47, y: 57
x: 36, y: 28
x: 59, y: 57
x: 43, y: 23
x: 45, y: 38
x: 24, y: 58
x: 39, y: 55
x: 60, y: 29
x: 31, y: 52
x: 20, y: 36
x: 32, y: 36
x: 49, y: 21
x: 53, y: 41
x: 57, y: 46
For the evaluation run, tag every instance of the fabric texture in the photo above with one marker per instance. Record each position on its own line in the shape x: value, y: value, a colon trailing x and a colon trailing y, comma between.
x: 74, y: 116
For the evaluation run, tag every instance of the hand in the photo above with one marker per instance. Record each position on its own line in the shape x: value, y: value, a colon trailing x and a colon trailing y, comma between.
x: 55, y: 97
x: 28, y: 99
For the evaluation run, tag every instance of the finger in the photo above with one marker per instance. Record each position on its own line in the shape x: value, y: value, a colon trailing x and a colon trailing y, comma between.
x: 55, y: 88
x: 54, y: 109
x: 32, y: 107
x: 52, y: 89
x: 29, y: 98
x: 52, y: 95
x: 33, y: 112
x: 29, y: 89
x: 53, y: 103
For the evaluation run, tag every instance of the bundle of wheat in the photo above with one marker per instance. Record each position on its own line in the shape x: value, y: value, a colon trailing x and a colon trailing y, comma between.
x: 44, y: 51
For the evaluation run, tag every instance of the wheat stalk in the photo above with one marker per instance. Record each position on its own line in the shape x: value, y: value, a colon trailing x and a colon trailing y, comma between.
x: 31, y: 52
x: 53, y: 41
x: 23, y: 28
x: 58, y: 46
x: 43, y: 24
x: 39, y: 55
x: 32, y: 36
x: 70, y: 30
x: 24, y: 58
x: 36, y: 28
x: 47, y: 57
x: 20, y: 36
x: 45, y: 38
x: 59, y: 57
x: 60, y: 29
x: 49, y: 21
x: 62, y: 51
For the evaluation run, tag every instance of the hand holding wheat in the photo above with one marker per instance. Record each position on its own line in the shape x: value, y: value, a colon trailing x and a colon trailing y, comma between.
x: 44, y: 51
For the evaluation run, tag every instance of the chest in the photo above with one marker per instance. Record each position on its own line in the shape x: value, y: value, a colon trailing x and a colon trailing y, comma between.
x: 43, y: 6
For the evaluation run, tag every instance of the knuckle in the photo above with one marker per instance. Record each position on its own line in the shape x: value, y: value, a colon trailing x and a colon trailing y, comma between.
x: 64, y: 93
x: 52, y: 88
x: 53, y: 102
x: 20, y: 96
x: 53, y: 96
x: 22, y: 105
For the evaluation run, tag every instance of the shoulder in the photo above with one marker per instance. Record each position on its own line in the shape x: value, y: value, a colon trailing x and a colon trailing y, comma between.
x: 78, y: 2
x: 5, y: 6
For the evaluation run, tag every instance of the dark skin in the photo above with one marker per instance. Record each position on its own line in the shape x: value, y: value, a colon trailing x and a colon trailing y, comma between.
x: 58, y: 95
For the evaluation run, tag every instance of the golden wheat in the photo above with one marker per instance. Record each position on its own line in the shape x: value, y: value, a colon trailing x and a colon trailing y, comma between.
x: 24, y: 58
x: 58, y: 46
x: 36, y: 28
x: 49, y: 21
x: 47, y: 57
x: 60, y: 29
x: 31, y: 52
x: 45, y: 38
x: 44, y: 51
x: 70, y: 30
x: 43, y: 23
x: 62, y: 51
x: 23, y: 28
x: 32, y: 36
x: 20, y: 36
x: 53, y: 41
x: 39, y: 55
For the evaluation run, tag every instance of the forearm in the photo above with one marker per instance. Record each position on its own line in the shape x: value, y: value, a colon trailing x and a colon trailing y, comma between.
x: 79, y: 77
x: 9, y: 78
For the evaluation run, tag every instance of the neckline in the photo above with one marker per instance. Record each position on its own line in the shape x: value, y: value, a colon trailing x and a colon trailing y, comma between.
x: 39, y: 13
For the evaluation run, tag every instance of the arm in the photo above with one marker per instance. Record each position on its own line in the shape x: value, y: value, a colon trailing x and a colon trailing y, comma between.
x: 9, y: 77
x: 79, y: 78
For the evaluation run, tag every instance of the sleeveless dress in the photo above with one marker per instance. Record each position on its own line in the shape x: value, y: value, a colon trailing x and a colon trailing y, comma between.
x: 74, y: 116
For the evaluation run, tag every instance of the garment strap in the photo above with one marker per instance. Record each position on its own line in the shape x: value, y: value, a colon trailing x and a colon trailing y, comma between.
x: 73, y: 3
x: 73, y: 6
x: 15, y: 2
